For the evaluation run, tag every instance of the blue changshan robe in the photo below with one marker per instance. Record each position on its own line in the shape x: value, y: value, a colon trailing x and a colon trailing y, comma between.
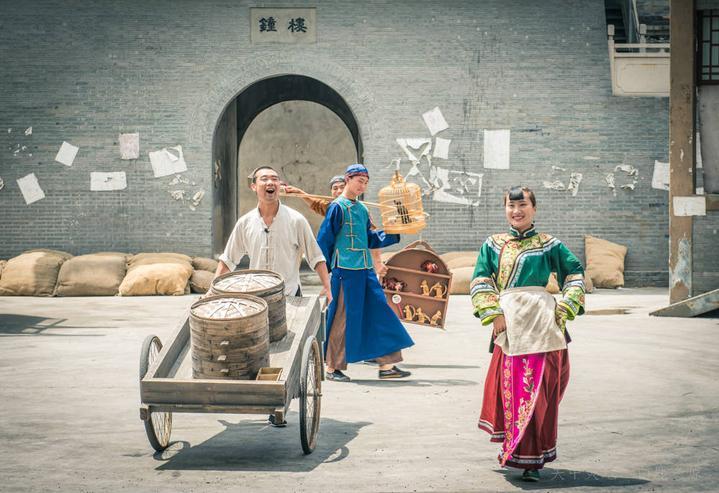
x: 372, y: 328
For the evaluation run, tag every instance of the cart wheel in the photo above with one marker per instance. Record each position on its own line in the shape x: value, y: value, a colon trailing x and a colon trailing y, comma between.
x: 158, y: 426
x: 310, y: 394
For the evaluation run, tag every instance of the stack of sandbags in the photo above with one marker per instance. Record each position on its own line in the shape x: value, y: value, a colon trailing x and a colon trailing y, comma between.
x: 461, y: 265
x: 2, y: 266
x: 203, y: 274
x: 33, y: 273
x: 605, y: 262
x: 98, y: 274
x: 156, y: 273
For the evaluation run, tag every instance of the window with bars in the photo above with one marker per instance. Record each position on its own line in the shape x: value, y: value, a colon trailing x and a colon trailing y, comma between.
x: 708, y: 47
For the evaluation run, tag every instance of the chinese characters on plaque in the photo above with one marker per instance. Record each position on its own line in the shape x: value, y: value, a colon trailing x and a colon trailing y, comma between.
x: 283, y: 25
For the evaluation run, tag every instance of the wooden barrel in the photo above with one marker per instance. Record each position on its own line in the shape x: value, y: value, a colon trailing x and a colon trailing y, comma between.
x: 229, y: 336
x: 267, y: 285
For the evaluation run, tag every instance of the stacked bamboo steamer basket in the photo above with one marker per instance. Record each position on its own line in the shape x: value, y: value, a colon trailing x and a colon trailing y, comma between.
x: 229, y: 336
x: 265, y: 284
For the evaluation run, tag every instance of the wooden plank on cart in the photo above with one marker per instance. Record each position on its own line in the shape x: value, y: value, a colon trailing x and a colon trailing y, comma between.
x: 169, y: 381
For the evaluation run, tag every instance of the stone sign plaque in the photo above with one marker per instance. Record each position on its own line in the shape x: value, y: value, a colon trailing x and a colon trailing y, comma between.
x: 283, y: 25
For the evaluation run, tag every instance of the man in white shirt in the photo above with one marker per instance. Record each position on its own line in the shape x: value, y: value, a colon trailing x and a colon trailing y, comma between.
x: 275, y: 238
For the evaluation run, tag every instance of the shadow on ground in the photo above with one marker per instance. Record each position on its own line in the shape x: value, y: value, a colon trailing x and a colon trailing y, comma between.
x: 11, y: 324
x: 254, y: 445
x: 566, y: 478
x: 413, y: 382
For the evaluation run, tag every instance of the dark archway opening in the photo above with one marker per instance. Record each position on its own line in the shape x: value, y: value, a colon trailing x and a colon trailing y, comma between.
x: 236, y: 120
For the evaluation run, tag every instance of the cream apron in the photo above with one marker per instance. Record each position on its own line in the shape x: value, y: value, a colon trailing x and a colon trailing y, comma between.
x: 531, y: 326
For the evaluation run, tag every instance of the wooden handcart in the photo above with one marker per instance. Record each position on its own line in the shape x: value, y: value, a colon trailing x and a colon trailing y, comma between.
x: 167, y: 386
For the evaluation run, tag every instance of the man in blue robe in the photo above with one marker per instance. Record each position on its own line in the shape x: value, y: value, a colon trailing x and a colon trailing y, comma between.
x: 365, y: 327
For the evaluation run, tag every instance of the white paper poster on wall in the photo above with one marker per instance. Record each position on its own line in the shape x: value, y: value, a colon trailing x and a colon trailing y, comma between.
x: 103, y: 182
x: 130, y: 146
x: 66, y: 154
x: 30, y: 188
x: 690, y: 206
x: 435, y: 120
x: 423, y: 145
x: 496, y: 149
x: 441, y: 148
x: 168, y: 161
x: 660, y: 177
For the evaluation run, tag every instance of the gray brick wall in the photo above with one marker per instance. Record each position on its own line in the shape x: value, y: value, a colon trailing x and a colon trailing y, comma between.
x: 84, y: 73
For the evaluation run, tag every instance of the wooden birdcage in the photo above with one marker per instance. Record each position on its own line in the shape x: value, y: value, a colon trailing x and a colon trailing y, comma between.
x: 401, y: 205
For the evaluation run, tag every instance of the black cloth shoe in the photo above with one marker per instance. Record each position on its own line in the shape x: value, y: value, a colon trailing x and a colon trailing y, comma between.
x: 275, y: 423
x: 337, y: 376
x: 393, y: 372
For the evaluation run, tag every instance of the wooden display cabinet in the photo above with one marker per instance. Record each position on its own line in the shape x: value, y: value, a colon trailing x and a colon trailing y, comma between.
x: 405, y: 266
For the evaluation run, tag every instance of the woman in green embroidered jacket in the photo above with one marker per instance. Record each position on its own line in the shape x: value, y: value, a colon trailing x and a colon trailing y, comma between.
x: 529, y: 369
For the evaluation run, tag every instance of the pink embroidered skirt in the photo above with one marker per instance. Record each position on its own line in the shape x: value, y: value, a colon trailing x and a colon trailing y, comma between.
x: 521, y: 405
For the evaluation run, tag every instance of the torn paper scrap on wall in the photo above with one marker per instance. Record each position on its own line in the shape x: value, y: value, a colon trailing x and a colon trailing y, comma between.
x: 30, y: 188
x: 2, y: 183
x: 628, y: 169
x: 690, y: 206
x: 558, y: 168
x: 441, y: 148
x: 28, y: 131
x: 456, y: 187
x: 421, y: 144
x: 553, y: 185
x: 196, y: 199
x: 179, y: 179
x: 66, y: 154
x: 107, y: 181
x: 660, y: 177
x: 167, y: 161
x: 177, y: 194
x: 130, y: 146
x: 609, y: 178
x: 435, y: 121
x: 698, y: 147
x: 574, y: 180
x: 496, y: 149
x: 629, y: 186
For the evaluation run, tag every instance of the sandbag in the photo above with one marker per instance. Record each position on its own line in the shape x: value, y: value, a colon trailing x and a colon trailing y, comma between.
x: 552, y: 285
x: 2, y: 265
x: 98, y: 274
x: 33, y: 273
x: 446, y: 257
x: 461, y: 278
x: 168, y: 278
x: 588, y: 286
x: 201, y: 280
x: 203, y: 263
x: 605, y: 262
x: 467, y: 260
x: 158, y: 258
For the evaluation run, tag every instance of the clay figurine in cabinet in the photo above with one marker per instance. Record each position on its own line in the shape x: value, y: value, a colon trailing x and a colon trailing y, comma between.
x: 424, y: 286
x: 439, y: 289
x: 436, y: 318
x: 429, y: 266
x: 421, y: 316
x: 409, y: 313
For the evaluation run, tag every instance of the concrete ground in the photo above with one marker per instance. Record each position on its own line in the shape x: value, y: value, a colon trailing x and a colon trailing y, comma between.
x: 640, y: 413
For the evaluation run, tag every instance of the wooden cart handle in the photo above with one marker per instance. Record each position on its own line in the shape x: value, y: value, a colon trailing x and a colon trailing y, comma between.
x: 420, y: 243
